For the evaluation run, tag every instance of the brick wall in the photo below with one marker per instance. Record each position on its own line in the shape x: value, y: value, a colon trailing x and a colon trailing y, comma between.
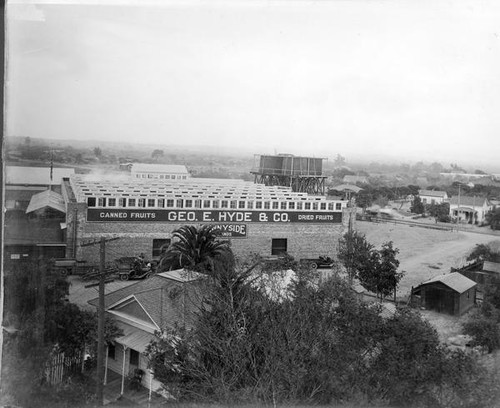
x: 304, y: 240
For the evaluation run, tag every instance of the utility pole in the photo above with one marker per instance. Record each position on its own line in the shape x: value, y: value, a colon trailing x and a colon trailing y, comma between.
x: 100, y: 324
x: 100, y: 317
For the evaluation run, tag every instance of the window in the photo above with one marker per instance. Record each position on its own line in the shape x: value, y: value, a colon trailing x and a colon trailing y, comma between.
x: 322, y: 206
x: 151, y: 202
x: 215, y: 204
x: 330, y: 206
x: 250, y: 205
x: 170, y: 203
x: 258, y: 205
x: 189, y: 203
x: 283, y: 205
x: 141, y: 202
x: 91, y: 201
x: 197, y: 203
x: 299, y: 206
x: 112, y: 351
x: 241, y: 205
x: 279, y: 246
x: 338, y: 206
x: 307, y: 206
x: 275, y: 205
x: 179, y: 203
x: 223, y: 204
x: 101, y: 202
x: 160, y: 246
x: 134, y: 357
x: 233, y: 203
x: 122, y: 202
x: 131, y: 202
x: 206, y: 203
x: 291, y: 205
x: 267, y: 205
x: 315, y: 206
x: 161, y: 202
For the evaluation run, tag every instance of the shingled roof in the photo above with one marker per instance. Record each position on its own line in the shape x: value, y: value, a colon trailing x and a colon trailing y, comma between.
x: 164, y: 300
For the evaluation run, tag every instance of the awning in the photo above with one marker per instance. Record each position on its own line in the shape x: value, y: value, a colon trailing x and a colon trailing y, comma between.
x: 137, y: 340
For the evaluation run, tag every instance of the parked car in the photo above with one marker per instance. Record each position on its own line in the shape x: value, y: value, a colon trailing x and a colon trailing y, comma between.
x: 320, y: 262
x: 138, y: 268
x: 70, y: 266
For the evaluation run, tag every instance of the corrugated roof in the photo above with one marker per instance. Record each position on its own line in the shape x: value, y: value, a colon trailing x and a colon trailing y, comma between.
x: 46, y: 198
x: 159, y: 168
x: 432, y: 193
x: 35, y: 175
x: 456, y: 281
x: 491, y: 266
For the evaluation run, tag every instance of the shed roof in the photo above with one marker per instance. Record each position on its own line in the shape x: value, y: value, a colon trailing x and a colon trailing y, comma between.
x: 35, y: 175
x: 455, y: 281
x: 491, y: 266
x: 46, y: 198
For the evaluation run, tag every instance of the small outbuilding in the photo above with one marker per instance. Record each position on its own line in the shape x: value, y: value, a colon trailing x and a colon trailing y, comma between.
x: 453, y: 293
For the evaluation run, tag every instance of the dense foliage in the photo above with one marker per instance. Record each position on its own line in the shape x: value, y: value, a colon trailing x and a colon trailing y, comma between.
x: 42, y: 322
x: 316, y: 343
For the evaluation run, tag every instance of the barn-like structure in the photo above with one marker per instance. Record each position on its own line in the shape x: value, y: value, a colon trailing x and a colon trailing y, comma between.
x: 453, y: 293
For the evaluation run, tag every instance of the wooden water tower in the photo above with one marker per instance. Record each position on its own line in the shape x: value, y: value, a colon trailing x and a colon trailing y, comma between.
x: 302, y: 174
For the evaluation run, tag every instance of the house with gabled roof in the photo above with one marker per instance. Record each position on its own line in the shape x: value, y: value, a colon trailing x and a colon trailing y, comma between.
x: 163, y: 301
x: 433, y: 196
x: 470, y: 210
x: 452, y: 293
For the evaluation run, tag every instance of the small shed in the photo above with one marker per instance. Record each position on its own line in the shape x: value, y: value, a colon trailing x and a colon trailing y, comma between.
x: 453, y: 293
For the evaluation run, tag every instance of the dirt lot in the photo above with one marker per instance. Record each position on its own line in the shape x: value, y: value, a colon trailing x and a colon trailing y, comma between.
x: 424, y: 253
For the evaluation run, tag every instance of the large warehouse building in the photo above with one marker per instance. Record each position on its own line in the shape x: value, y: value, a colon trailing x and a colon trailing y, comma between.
x: 143, y: 213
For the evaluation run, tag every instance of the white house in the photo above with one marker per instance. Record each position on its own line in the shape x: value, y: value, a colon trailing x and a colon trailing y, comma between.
x: 141, y: 309
x: 470, y: 210
x: 433, y: 196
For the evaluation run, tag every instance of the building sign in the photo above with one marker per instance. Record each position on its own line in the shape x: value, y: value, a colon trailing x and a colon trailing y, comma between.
x: 231, y: 230
x: 220, y: 216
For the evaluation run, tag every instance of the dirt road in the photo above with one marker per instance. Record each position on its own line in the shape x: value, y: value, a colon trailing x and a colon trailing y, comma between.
x: 424, y: 253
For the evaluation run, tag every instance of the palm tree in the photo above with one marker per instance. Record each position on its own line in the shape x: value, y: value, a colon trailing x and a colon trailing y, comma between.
x: 195, y: 248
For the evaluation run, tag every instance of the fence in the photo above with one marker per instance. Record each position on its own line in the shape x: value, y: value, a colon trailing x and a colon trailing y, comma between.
x: 60, y: 366
x: 408, y: 222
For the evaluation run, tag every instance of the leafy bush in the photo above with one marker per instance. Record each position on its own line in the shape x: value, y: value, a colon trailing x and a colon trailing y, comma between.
x: 484, y: 331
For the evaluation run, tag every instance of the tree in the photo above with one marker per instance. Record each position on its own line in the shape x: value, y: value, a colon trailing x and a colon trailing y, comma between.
x: 483, y: 252
x: 441, y: 212
x: 195, y: 248
x: 354, y: 253
x: 493, y: 218
x: 417, y: 207
x: 97, y: 152
x: 379, y: 273
x: 157, y: 154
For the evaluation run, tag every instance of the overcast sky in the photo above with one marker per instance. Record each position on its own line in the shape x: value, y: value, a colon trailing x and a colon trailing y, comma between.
x: 418, y: 79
